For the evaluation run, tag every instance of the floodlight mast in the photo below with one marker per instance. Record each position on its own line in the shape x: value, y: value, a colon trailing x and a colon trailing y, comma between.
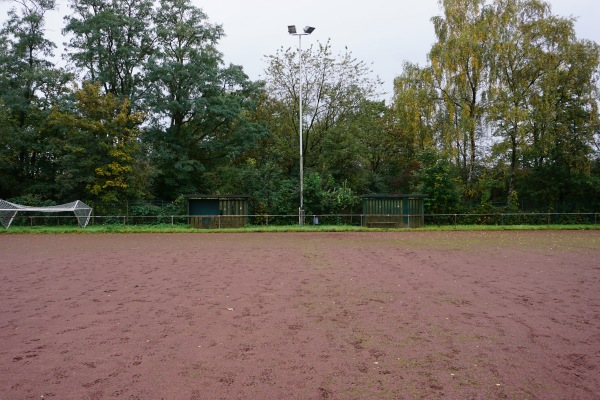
x: 307, y: 31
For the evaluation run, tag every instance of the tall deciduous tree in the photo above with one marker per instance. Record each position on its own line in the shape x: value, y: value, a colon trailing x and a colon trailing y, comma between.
x: 333, y: 87
x: 559, y: 147
x: 110, y: 43
x: 29, y: 84
x: 185, y: 65
x: 416, y: 114
x: 530, y: 46
x: 359, y: 150
x: 437, y: 178
x: 202, y: 110
x: 99, y: 145
x: 459, y: 62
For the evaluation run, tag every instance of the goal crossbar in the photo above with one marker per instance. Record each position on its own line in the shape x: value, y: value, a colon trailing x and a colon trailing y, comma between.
x: 8, y: 211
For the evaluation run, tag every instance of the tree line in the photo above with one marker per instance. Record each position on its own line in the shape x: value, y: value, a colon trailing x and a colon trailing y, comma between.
x: 504, y: 115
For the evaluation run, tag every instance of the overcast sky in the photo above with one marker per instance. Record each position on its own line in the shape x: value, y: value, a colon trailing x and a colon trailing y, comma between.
x: 382, y: 33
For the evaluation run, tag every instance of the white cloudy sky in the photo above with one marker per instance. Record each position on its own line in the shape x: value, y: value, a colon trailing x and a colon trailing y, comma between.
x: 383, y: 33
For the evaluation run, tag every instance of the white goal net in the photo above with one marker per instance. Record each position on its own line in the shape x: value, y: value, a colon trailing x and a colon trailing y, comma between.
x: 8, y: 211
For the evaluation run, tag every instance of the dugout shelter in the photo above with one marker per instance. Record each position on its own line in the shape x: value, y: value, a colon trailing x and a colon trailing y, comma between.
x: 218, y: 211
x: 393, y: 210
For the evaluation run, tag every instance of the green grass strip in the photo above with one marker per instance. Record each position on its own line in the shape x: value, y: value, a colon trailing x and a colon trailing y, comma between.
x: 167, y: 228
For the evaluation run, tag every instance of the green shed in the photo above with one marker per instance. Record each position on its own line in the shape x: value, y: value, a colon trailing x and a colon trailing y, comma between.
x: 393, y: 210
x: 217, y: 211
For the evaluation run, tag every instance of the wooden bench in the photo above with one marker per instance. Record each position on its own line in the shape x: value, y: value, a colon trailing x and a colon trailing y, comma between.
x: 383, y: 224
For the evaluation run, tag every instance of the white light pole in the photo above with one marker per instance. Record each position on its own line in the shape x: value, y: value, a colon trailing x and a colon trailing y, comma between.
x: 307, y: 31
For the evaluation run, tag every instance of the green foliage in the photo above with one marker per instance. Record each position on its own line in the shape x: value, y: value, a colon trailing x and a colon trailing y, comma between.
x: 29, y: 84
x: 341, y: 200
x: 100, y: 142
x: 362, y: 147
x: 437, y: 178
x: 32, y: 200
x: 110, y: 42
x: 503, y: 118
x: 530, y: 46
x: 185, y: 228
x: 333, y: 88
x: 201, y: 112
x: 324, y: 196
x: 9, y: 184
x: 459, y: 61
x: 414, y: 110
x: 513, y: 201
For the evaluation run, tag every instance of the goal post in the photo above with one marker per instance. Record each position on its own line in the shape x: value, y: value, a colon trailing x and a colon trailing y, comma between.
x: 8, y: 211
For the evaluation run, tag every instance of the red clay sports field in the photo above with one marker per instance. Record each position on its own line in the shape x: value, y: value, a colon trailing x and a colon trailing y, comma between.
x: 366, y: 315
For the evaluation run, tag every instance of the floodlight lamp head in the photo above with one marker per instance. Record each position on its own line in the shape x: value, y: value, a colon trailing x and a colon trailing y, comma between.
x: 292, y: 29
x: 309, y: 29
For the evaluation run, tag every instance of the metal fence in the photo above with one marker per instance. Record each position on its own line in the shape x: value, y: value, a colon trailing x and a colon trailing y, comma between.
x: 513, y: 219
x: 222, y: 221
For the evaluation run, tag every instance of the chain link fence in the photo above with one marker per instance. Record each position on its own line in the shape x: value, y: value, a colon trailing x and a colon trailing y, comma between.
x: 220, y: 221
x: 513, y: 219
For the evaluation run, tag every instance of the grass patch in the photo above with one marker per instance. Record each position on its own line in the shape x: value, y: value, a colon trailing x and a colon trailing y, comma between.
x: 577, y: 227
x: 168, y: 228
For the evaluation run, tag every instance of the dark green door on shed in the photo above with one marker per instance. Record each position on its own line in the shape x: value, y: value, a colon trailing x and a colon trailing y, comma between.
x: 218, y: 211
x: 204, y: 207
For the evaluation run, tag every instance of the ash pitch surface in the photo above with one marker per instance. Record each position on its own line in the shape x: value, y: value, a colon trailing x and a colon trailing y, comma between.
x: 369, y: 315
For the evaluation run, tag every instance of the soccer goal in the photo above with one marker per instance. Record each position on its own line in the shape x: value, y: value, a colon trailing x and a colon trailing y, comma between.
x: 8, y: 211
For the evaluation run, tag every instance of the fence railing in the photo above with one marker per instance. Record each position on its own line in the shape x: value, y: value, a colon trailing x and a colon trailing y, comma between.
x: 225, y: 221
x: 513, y: 219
